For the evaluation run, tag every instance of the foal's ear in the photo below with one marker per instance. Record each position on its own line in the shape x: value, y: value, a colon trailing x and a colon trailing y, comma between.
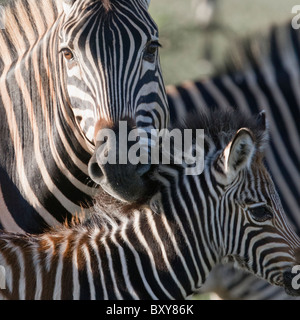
x: 236, y: 156
x: 67, y: 5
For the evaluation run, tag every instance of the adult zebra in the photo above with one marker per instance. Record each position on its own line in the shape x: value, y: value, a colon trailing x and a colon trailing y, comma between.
x: 264, y: 73
x: 64, y: 66
x: 230, y: 210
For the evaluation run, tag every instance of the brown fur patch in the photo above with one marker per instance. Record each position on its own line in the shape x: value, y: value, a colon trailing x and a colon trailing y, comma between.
x: 107, y: 5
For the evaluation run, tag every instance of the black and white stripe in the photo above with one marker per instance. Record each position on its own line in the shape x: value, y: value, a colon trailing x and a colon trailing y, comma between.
x: 64, y: 65
x: 227, y: 212
x: 264, y: 74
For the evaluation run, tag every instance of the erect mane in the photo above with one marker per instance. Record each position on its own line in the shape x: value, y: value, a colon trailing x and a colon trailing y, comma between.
x: 107, y: 5
x: 222, y: 125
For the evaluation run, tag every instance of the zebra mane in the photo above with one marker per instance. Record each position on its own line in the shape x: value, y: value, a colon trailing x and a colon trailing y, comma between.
x: 254, y: 50
x: 220, y: 126
x: 107, y: 5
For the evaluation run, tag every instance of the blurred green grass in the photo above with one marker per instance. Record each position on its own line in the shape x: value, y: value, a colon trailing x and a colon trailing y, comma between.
x: 191, y: 51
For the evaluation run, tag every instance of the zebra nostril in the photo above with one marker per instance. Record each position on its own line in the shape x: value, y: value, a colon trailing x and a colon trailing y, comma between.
x: 95, y: 171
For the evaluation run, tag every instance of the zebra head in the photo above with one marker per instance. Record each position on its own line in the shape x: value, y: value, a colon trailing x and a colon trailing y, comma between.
x: 112, y: 73
x: 255, y: 232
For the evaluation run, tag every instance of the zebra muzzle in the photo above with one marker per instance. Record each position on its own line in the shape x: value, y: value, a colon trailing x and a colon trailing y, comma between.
x: 110, y: 168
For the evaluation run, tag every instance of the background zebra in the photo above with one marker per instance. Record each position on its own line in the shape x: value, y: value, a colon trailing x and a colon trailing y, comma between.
x: 108, y: 68
x: 231, y: 211
x: 263, y: 73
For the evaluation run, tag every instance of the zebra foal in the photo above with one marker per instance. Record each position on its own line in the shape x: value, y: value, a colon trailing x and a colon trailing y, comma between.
x: 166, y: 248
x: 262, y: 73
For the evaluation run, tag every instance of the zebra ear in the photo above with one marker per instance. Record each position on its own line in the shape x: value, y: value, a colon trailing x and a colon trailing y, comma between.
x: 67, y: 5
x: 236, y: 156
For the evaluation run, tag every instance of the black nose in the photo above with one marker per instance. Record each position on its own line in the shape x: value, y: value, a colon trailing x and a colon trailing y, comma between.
x: 98, y: 170
x: 291, y: 280
x: 95, y: 171
x: 126, y: 182
x: 123, y: 182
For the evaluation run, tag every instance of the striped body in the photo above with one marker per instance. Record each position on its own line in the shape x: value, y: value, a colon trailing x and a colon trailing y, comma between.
x: 266, y: 75
x: 230, y: 211
x: 64, y: 65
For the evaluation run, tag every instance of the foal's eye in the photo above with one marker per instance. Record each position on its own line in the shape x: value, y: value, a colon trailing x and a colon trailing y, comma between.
x: 260, y: 213
x: 68, y: 54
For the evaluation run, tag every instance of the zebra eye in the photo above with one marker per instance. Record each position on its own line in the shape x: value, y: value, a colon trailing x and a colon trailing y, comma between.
x: 150, y: 52
x: 67, y: 54
x: 260, y: 213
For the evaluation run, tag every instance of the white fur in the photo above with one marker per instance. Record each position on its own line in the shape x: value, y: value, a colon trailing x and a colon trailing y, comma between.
x: 67, y: 6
